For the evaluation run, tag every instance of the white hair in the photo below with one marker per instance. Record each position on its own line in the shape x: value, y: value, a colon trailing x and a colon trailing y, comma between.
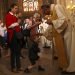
x: 36, y: 15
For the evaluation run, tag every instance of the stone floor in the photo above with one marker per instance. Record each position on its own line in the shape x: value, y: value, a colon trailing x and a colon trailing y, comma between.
x: 51, y: 66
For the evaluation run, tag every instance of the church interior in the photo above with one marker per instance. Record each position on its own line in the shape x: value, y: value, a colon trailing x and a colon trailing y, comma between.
x: 47, y: 47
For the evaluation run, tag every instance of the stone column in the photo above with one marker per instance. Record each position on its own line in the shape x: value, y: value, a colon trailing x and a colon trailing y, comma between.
x: 40, y: 4
x: 0, y: 9
x: 20, y: 5
x: 3, y: 8
x: 10, y: 2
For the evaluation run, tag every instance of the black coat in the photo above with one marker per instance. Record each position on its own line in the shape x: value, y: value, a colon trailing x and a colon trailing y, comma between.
x: 33, y: 51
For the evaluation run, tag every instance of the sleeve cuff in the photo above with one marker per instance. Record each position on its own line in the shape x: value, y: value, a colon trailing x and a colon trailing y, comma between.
x: 13, y: 25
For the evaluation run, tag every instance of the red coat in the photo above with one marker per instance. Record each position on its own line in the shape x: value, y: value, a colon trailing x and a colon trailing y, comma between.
x: 11, y: 19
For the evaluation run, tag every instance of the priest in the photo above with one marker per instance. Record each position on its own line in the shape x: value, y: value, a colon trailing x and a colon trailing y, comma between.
x: 56, y: 18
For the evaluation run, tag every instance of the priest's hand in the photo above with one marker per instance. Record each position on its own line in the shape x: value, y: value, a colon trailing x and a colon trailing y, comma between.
x: 49, y: 22
x: 49, y: 19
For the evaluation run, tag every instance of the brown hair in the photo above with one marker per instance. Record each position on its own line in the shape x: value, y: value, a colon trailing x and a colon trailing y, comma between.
x: 12, y: 6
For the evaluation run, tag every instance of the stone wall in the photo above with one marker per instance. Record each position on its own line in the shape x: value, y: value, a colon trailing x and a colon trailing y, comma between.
x: 5, y: 4
x: 3, y: 8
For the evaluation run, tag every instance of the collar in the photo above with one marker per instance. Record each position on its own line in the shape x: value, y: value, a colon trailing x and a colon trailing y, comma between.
x: 12, y: 13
